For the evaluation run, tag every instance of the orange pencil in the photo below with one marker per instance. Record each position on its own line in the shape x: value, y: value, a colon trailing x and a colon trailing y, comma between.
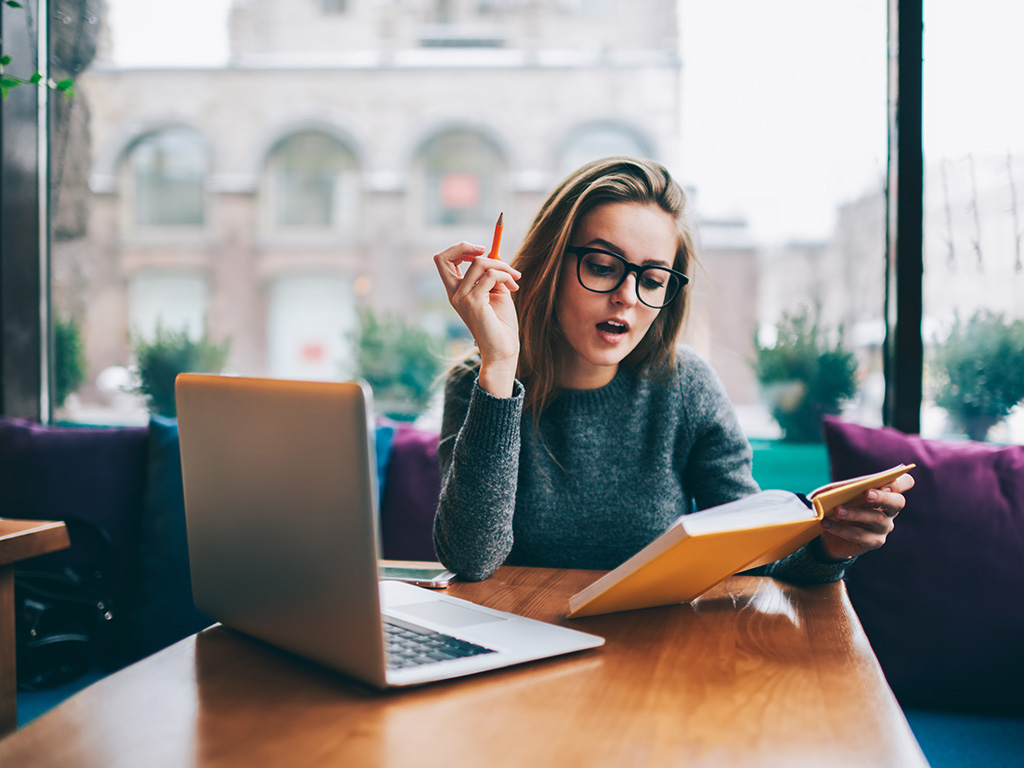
x: 497, y: 235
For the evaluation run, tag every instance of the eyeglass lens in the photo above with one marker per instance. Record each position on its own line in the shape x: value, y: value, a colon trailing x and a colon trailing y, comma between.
x: 603, y: 273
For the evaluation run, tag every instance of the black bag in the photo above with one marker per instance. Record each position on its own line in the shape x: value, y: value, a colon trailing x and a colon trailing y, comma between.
x: 63, y: 619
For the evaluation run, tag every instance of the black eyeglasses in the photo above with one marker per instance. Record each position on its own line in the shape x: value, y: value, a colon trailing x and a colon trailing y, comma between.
x: 602, y: 271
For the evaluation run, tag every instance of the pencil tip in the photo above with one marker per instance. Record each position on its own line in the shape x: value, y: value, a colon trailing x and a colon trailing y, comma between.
x: 501, y: 218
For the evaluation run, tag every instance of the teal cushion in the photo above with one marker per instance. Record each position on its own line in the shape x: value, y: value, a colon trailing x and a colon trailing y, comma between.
x: 163, y: 611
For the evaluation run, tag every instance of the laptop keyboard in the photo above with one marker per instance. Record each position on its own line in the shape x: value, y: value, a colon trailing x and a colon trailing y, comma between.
x: 412, y: 647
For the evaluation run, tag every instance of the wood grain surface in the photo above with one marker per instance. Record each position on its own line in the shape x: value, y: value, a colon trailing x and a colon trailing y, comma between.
x: 754, y: 673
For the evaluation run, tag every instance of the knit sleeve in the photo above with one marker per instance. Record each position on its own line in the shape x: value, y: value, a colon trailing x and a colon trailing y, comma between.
x: 718, y: 459
x: 808, y: 565
x: 479, y: 457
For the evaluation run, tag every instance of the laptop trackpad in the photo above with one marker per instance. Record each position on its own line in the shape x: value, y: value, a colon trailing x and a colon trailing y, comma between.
x: 444, y: 613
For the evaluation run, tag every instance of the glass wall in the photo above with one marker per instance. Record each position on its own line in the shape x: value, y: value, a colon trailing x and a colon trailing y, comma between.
x: 278, y: 186
x: 266, y: 191
x: 784, y: 145
x: 974, y: 221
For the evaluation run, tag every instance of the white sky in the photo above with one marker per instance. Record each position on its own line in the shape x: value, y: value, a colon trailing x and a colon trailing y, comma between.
x: 185, y: 32
x: 781, y: 122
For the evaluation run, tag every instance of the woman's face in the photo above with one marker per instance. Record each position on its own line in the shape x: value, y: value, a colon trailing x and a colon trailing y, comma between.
x: 602, y: 328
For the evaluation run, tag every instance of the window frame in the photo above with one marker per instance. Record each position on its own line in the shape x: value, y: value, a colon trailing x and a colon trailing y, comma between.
x: 25, y: 322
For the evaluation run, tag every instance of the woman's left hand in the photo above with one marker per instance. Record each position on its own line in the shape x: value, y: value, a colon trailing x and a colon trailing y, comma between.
x: 863, y: 524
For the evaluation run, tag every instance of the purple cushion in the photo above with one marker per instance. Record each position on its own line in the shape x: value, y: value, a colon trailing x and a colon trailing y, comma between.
x: 941, y: 601
x: 79, y: 473
x: 411, y: 490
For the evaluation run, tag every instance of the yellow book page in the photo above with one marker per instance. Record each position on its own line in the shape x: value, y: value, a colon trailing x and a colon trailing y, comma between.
x: 830, y: 496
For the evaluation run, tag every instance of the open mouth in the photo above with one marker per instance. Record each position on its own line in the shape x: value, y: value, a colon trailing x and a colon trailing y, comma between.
x: 610, y: 326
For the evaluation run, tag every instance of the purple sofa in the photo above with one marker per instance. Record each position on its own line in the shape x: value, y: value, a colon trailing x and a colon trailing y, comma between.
x: 120, y: 490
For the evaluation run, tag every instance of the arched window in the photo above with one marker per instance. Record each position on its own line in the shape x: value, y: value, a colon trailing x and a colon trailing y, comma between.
x: 593, y: 142
x: 166, y: 179
x: 312, y: 183
x: 462, y: 178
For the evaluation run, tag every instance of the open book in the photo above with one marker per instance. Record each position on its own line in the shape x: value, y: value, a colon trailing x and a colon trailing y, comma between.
x: 701, y: 549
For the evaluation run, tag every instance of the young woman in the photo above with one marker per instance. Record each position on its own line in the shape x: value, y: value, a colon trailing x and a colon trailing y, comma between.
x: 580, y: 432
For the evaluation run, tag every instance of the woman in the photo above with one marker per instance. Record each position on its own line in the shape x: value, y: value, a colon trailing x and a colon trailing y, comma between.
x: 580, y: 432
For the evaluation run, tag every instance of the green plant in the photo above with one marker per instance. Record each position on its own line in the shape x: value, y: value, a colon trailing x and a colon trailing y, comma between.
x: 8, y: 81
x: 399, y: 362
x: 68, y: 359
x: 169, y: 353
x: 803, y: 377
x: 978, y: 371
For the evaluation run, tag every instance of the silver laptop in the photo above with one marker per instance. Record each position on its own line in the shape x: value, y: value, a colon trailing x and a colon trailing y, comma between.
x: 281, y: 510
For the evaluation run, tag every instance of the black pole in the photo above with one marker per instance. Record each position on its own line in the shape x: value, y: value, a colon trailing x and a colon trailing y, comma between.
x: 904, y: 347
x: 21, y: 327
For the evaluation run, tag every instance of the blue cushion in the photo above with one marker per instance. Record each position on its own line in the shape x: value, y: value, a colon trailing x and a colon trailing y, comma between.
x: 951, y: 740
x: 385, y: 434
x: 163, y: 611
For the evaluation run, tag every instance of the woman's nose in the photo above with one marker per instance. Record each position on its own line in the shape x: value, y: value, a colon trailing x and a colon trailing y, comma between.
x: 625, y: 294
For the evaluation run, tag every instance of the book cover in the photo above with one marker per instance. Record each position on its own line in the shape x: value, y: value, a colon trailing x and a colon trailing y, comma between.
x: 701, y: 549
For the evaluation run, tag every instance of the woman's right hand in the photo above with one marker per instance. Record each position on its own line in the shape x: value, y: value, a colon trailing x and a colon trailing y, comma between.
x: 482, y: 297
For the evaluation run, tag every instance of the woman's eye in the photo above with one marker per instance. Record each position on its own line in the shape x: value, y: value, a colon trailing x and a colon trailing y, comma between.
x: 652, y: 283
x: 600, y: 270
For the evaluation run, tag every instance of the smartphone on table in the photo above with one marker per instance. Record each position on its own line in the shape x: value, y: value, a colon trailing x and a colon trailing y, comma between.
x: 419, y: 572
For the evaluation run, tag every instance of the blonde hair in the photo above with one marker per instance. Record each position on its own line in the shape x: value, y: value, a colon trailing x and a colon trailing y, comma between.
x: 540, y: 259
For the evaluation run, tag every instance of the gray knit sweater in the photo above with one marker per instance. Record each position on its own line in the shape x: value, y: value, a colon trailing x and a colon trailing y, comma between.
x: 601, y: 474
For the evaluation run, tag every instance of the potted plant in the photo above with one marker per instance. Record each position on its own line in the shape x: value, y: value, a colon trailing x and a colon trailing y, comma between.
x: 68, y: 359
x: 803, y: 377
x: 977, y: 373
x: 399, y: 361
x: 169, y: 353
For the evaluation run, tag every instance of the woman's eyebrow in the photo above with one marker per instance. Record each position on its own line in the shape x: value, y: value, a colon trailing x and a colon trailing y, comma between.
x: 600, y: 242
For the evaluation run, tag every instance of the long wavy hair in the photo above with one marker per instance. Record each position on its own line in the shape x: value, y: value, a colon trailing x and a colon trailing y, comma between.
x: 541, y: 259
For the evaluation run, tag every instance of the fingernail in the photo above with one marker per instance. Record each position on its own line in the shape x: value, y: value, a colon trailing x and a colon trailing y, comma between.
x: 872, y: 495
x: 842, y: 512
x: 826, y: 523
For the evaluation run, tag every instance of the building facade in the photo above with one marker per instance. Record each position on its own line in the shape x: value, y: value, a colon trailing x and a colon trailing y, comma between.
x: 339, y: 148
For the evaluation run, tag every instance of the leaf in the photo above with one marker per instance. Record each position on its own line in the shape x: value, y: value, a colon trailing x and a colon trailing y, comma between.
x: 65, y: 85
x: 4, y: 61
x: 36, y: 78
x: 13, y: 4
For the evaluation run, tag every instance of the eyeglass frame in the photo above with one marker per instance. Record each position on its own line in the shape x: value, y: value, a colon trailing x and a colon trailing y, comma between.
x: 630, y: 268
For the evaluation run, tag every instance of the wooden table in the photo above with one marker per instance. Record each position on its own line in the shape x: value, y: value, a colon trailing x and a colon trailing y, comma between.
x: 19, y: 540
x: 754, y: 673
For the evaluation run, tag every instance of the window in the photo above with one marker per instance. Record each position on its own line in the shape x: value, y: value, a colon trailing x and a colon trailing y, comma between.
x: 973, y: 216
x: 596, y: 141
x: 462, y: 173
x: 312, y: 183
x: 165, y: 177
x: 310, y: 320
x: 784, y: 144
x: 166, y: 181
x: 172, y: 299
